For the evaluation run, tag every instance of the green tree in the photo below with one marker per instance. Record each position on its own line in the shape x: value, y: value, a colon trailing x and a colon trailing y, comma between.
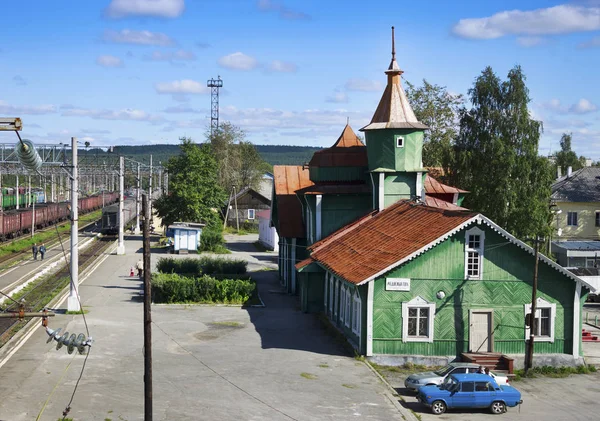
x: 496, y: 156
x: 239, y: 162
x: 437, y: 108
x: 194, y: 195
x: 566, y: 157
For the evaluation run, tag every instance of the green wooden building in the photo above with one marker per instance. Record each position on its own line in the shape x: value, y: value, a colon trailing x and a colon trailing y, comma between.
x: 398, y: 266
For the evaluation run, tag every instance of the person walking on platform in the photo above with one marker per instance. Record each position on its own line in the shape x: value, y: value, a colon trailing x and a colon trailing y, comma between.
x: 140, y: 267
x: 42, y: 251
x: 34, y: 250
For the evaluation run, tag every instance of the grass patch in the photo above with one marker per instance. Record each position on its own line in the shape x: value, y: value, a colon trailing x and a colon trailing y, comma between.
x: 77, y: 312
x: 554, y: 372
x: 324, y: 365
x: 308, y: 376
x: 25, y: 243
x: 349, y: 386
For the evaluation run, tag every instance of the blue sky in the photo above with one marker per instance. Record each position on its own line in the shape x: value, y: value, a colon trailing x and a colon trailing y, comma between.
x: 134, y: 71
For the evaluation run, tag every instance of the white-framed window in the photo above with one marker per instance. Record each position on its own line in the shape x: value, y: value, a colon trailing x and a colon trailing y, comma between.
x: 326, y: 285
x: 572, y: 219
x: 399, y: 141
x: 251, y: 213
x: 356, y: 313
x: 417, y: 320
x: 543, y: 323
x: 474, y: 246
x: 590, y: 262
x: 336, y: 298
x: 342, y: 304
x: 348, y: 307
x: 331, y: 294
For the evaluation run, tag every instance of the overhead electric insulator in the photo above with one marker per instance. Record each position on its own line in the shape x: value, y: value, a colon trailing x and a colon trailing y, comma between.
x: 28, y: 156
x: 72, y: 342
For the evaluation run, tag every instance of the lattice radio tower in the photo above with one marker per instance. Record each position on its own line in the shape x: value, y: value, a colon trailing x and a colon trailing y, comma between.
x: 214, y: 85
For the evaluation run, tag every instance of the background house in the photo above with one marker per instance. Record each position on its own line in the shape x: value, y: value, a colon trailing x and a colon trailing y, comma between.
x: 267, y: 235
x: 576, y: 238
x: 248, y: 201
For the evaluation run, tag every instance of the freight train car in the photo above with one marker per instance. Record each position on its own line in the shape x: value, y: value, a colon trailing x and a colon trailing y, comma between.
x: 10, y: 197
x: 16, y: 222
x: 110, y: 216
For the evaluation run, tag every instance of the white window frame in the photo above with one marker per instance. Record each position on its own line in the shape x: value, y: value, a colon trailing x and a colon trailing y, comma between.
x: 540, y: 304
x: 326, y: 284
x: 356, y: 313
x: 343, y: 304
x: 590, y: 262
x: 417, y: 302
x: 348, y: 305
x: 336, y: 298
x: 479, y: 250
x: 399, y: 141
x: 331, y: 294
x: 253, y: 211
x: 570, y: 219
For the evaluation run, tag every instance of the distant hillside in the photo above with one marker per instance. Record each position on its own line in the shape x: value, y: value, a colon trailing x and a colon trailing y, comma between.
x: 272, y: 154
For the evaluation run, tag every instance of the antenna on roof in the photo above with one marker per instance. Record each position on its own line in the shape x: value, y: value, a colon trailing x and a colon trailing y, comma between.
x: 393, y: 45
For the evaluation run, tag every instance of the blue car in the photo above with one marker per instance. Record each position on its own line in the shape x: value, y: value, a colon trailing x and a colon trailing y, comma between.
x: 469, y: 391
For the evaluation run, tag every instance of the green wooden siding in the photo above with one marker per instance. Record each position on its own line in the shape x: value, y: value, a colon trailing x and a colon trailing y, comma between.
x: 311, y: 285
x: 505, y: 288
x: 383, y: 153
x: 339, y: 210
x: 398, y: 186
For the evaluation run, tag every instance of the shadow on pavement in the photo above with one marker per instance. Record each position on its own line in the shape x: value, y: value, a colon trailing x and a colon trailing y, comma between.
x: 242, y: 246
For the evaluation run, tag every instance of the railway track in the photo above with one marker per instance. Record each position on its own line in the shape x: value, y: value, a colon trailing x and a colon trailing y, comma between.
x: 38, y: 294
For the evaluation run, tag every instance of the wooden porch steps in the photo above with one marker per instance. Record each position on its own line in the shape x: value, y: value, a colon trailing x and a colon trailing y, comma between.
x: 492, y: 360
x: 588, y: 337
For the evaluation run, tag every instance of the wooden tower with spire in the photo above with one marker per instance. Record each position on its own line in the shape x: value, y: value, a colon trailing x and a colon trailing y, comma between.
x: 394, y: 140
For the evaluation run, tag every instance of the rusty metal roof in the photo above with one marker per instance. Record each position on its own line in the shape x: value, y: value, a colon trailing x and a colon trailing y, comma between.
x: 378, y: 240
x: 288, y: 180
x: 347, y: 151
x: 442, y: 204
x: 434, y: 186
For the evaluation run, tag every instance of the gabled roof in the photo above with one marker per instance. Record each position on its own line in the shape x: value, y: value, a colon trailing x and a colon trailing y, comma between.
x: 289, y: 179
x: 381, y: 241
x: 434, y: 186
x: 581, y: 186
x: 347, y: 151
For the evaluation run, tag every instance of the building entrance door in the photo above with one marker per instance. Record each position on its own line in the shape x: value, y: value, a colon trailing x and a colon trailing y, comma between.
x: 480, y: 331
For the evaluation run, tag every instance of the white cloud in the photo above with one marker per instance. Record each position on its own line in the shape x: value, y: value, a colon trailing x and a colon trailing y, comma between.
x: 283, y: 11
x: 181, y: 109
x: 591, y: 43
x: 363, y: 85
x: 26, y: 109
x: 553, y: 105
x: 128, y: 36
x: 238, y: 61
x: 282, y: 66
x: 559, y: 19
x: 530, y: 41
x: 179, y: 55
x: 338, y: 98
x: 105, y: 114
x: 185, y: 86
x: 154, y: 8
x: 583, y: 106
x: 109, y: 61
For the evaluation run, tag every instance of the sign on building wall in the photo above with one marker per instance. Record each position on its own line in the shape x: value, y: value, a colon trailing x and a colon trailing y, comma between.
x: 397, y: 284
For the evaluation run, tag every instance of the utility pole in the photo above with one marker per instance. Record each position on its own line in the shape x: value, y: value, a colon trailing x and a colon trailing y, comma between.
x: 237, y: 215
x: 137, y: 202
x: 121, y: 242
x: 147, y: 314
x: 73, y: 300
x: 150, y: 187
x: 532, y: 326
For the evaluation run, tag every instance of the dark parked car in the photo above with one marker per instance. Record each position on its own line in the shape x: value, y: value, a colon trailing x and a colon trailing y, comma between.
x: 469, y: 391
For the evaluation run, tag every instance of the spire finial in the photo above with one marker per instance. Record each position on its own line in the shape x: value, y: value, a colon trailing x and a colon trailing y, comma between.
x: 393, y: 45
x: 347, y: 121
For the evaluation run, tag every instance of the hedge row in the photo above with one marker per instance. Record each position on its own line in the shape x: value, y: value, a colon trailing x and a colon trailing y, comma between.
x: 202, y: 266
x: 173, y: 288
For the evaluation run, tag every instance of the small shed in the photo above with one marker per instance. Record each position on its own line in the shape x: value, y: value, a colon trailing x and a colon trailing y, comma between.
x: 186, y: 236
x: 267, y: 234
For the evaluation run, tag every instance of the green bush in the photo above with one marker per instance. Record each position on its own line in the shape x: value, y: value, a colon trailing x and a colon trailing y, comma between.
x: 212, y: 237
x: 173, y: 288
x: 202, y: 266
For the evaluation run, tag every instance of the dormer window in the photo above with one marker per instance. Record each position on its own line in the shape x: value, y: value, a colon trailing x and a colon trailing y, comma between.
x: 474, y: 246
x: 399, y: 141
